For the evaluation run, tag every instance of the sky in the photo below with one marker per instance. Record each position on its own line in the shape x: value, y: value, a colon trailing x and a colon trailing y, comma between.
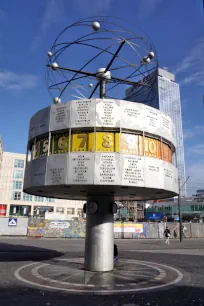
x: 28, y: 29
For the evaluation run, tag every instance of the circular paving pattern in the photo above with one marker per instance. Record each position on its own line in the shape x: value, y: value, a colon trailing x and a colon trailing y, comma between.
x: 69, y: 275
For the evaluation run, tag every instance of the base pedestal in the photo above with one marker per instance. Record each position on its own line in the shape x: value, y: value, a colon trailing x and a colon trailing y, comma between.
x: 99, y: 240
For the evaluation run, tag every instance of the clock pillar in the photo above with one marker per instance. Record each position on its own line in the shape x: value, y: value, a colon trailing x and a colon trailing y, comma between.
x: 99, y: 240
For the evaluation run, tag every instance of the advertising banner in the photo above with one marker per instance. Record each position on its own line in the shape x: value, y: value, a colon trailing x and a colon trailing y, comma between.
x: 128, y: 228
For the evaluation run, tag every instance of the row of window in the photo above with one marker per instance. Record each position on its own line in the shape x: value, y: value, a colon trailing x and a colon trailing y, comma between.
x: 18, y: 174
x: 164, y: 208
x: 17, y: 185
x: 19, y: 163
x: 17, y: 196
x: 69, y: 211
x: 22, y: 210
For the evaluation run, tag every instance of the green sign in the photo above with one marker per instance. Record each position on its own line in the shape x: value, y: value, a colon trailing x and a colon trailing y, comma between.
x: 197, y: 207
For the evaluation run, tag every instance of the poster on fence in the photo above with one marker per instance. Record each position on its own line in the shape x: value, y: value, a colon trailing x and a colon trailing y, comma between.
x: 64, y: 229
x: 35, y: 228
x: 128, y: 228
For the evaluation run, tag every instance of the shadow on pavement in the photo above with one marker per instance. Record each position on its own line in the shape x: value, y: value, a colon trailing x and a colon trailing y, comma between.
x: 14, y: 252
x: 180, y: 295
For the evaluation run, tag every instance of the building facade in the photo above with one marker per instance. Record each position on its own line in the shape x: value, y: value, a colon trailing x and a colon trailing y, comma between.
x: 165, y: 96
x: 132, y: 211
x: 14, y: 202
x: 192, y: 209
x: 1, y: 153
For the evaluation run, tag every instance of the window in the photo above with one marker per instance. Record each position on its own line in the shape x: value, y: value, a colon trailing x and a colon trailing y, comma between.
x: 19, y: 163
x: 60, y: 210
x: 20, y: 210
x: 39, y: 199
x: 16, y: 195
x: 79, y: 212
x: 18, y: 174
x: 17, y: 184
x: 70, y: 211
x: 27, y: 197
x: 49, y: 200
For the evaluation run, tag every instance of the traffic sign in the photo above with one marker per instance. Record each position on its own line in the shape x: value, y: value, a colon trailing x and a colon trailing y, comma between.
x: 12, y: 222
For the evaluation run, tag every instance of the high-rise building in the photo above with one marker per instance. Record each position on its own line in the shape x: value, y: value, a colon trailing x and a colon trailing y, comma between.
x: 165, y: 96
x: 14, y: 202
x: 1, y: 152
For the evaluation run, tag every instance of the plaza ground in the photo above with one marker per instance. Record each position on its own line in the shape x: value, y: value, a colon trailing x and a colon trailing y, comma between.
x: 186, y: 257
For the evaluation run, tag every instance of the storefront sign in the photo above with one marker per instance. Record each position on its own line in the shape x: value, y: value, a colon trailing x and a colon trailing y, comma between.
x: 154, y: 216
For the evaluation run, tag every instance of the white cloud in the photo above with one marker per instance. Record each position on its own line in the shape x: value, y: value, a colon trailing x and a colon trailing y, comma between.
x: 193, y: 59
x: 92, y: 7
x: 54, y: 14
x: 197, y: 149
x: 193, y: 65
x: 147, y: 8
x: 3, y: 15
x: 190, y: 133
x: 197, y: 77
x: 13, y: 81
x: 196, y: 180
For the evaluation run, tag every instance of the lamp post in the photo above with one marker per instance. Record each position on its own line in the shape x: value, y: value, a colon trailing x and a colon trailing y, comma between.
x: 179, y: 208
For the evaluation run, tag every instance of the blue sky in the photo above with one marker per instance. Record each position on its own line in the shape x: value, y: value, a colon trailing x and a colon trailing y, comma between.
x: 28, y: 29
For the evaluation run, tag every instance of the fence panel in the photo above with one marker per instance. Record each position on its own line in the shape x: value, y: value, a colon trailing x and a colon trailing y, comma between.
x: 196, y: 229
x: 19, y: 230
x: 36, y: 227
x: 76, y: 229
x: 151, y: 230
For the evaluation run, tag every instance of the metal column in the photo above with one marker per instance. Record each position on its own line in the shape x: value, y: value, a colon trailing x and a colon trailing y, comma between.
x: 99, y: 236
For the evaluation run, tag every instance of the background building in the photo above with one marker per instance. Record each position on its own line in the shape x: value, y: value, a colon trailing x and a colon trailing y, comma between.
x: 132, y: 211
x: 192, y: 209
x: 13, y: 201
x: 1, y: 153
x: 166, y: 97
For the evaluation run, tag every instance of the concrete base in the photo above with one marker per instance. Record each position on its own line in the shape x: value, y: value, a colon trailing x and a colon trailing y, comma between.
x: 99, y: 242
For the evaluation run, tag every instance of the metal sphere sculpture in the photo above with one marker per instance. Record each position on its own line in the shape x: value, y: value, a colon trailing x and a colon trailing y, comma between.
x: 127, y: 59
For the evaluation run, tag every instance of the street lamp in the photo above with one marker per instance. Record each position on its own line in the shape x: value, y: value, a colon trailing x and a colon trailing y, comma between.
x: 179, y: 208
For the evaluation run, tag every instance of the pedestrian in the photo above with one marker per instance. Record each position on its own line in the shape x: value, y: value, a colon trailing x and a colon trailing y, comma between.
x: 115, y: 252
x: 167, y: 235
x: 182, y: 230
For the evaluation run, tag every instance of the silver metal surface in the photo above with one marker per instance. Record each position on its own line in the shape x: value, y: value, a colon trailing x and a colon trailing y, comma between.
x: 99, y: 236
x: 101, y: 113
x: 107, y: 113
x: 81, y: 168
x: 83, y: 113
x: 107, y: 169
x: 59, y: 117
x: 42, y: 121
x: 132, y: 171
x: 76, y: 175
x: 102, y: 89
x: 132, y: 115
x: 56, y: 171
x: 154, y: 173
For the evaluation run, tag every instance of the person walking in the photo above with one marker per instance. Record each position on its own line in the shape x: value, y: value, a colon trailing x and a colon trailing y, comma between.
x: 167, y: 235
x: 115, y: 252
x: 183, y: 229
